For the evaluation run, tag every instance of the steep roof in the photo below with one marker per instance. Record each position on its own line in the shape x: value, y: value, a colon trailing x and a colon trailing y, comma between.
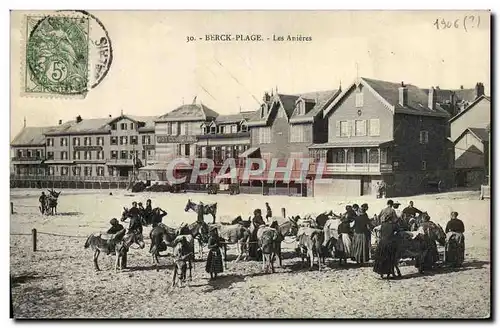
x: 32, y: 136
x: 388, y: 94
x: 189, y: 112
x: 480, y: 133
x: 470, y: 106
x: 149, y: 122
x: 315, y: 103
x: 234, y: 118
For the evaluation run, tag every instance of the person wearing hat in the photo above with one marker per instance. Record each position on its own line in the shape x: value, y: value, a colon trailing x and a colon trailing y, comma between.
x: 115, y: 226
x: 411, y: 211
x: 269, y: 212
x: 430, y: 255
x: 355, y: 209
x: 385, y: 255
x: 388, y: 213
x: 118, y: 231
x: 257, y: 222
x: 214, y: 264
x: 361, y: 241
x: 343, y: 248
x: 455, y: 241
x: 200, y: 212
x: 43, y: 202
x: 135, y: 219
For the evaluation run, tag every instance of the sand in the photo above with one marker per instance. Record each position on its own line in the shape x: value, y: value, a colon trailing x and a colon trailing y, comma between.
x: 59, y: 281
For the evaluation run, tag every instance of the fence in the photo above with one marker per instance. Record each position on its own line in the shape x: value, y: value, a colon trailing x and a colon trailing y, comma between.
x: 68, y: 182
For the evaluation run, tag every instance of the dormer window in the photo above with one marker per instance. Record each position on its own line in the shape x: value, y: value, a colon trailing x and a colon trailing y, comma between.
x: 263, y: 110
x: 300, y: 107
x: 221, y: 129
x: 213, y: 129
x: 243, y: 126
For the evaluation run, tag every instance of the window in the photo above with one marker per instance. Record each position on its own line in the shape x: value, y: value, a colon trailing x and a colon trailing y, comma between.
x: 76, y: 141
x: 300, y: 107
x: 30, y: 153
x: 76, y: 155
x: 146, y: 140
x: 38, y: 153
x: 123, y: 140
x: 143, y: 154
x: 131, y: 126
x: 203, y: 151
x: 64, y: 170
x: 131, y: 154
x: 187, y: 149
x: 123, y: 126
x: 344, y: 129
x: 50, y: 142
x: 244, y: 127
x: 133, y: 140
x: 234, y: 128
x: 100, y: 154
x: 113, y: 126
x: 50, y: 155
x: 77, y: 171
x: 265, y: 135
x: 87, y: 141
x: 374, y: 127
x: 100, y: 141
x: 64, y: 155
x: 213, y: 129
x: 51, y: 170
x: 263, y: 112
x: 424, y: 137
x: 185, y: 129
x: 64, y: 142
x: 150, y: 152
x: 114, y: 154
x: 87, y: 155
x: 123, y: 154
x: 360, y: 128
x: 221, y: 129
x: 359, y: 99
x: 297, y: 133
x: 114, y: 140
x: 169, y: 129
x: 19, y: 153
x: 87, y: 171
x: 100, y: 171
x: 424, y: 165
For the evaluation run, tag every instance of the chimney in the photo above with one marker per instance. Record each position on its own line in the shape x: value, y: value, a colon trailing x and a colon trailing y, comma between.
x: 266, y: 97
x: 479, y: 89
x: 25, y: 121
x: 109, y: 116
x: 60, y: 122
x: 78, y: 119
x: 461, y: 87
x: 403, y: 95
x: 432, y: 98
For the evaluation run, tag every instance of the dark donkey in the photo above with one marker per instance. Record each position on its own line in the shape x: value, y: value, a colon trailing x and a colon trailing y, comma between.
x: 199, y: 231
x: 161, y: 237
x: 51, y: 202
x: 118, y: 243
x: 207, y: 208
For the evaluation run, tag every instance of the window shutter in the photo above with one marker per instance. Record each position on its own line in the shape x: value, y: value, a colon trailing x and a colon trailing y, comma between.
x: 352, y: 128
x: 337, y: 128
x: 367, y: 127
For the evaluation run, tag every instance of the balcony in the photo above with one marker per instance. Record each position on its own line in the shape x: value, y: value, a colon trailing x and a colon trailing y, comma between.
x: 27, y: 160
x: 68, y: 178
x: 357, y: 168
x: 120, y: 162
x: 225, y: 135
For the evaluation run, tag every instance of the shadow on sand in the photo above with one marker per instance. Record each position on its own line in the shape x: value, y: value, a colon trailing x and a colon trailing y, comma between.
x: 69, y: 213
x: 22, y: 279
x: 151, y: 267
x: 472, y: 265
x: 223, y: 282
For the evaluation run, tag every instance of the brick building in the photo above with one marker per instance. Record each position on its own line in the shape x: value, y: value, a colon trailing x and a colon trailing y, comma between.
x: 383, y: 131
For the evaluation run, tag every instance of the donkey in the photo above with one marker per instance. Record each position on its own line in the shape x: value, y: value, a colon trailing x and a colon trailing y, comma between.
x: 310, y: 242
x: 184, y: 253
x: 161, y: 237
x: 234, y: 234
x: 269, y: 241
x: 51, y: 202
x: 207, y: 208
x: 117, y: 244
x: 199, y: 231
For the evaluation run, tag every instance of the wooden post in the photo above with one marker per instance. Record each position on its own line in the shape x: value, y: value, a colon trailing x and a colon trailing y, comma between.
x: 11, y: 208
x: 283, y: 212
x: 33, y: 239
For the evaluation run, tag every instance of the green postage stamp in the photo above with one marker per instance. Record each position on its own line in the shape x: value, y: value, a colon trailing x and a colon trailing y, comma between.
x: 66, y: 54
x: 57, y: 55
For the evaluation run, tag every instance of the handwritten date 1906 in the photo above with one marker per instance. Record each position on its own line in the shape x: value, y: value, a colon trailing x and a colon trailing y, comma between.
x: 467, y: 22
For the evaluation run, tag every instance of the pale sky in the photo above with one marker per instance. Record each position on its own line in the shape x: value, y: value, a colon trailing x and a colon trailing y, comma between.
x: 154, y: 68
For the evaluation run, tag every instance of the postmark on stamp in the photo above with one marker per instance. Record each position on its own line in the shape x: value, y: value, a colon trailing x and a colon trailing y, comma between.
x: 67, y: 53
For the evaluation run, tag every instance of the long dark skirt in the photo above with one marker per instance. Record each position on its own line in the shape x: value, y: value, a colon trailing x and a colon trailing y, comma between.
x: 455, y: 249
x: 428, y: 255
x: 385, y: 256
x: 214, y: 262
x: 361, y: 247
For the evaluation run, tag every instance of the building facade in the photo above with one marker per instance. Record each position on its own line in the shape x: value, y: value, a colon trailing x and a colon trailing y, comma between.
x: 382, y: 131
x: 470, y: 135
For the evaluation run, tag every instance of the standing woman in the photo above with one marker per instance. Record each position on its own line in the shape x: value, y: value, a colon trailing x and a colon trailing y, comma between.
x: 455, y: 241
x: 214, y: 258
x: 386, y: 253
x: 361, y: 239
x: 343, y: 251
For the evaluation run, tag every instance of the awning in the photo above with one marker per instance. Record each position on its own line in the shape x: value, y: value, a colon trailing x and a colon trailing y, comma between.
x: 350, y: 143
x: 59, y: 161
x: 26, y: 162
x: 250, y: 151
